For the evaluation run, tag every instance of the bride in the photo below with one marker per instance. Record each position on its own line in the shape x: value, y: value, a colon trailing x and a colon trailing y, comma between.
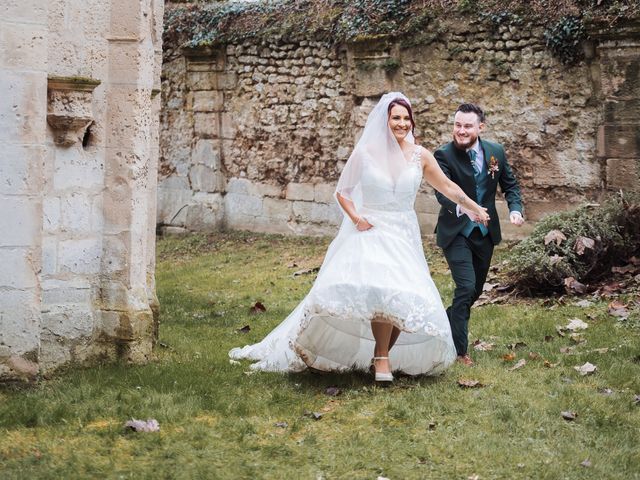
x: 374, y: 290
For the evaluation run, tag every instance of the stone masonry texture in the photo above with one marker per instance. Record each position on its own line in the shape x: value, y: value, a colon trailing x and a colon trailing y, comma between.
x: 254, y: 134
x: 78, y: 160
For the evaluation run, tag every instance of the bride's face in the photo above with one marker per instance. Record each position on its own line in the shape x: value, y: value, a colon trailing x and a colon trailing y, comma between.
x: 399, y: 122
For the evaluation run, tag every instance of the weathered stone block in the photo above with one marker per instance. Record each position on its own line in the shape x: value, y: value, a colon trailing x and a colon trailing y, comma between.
x: 49, y: 255
x: 202, y: 80
x: 20, y: 220
x: 76, y: 211
x: 80, y: 256
x: 69, y: 321
x: 171, y: 205
x: 18, y: 268
x: 619, y: 141
x: 206, y: 125
x: 73, y: 168
x: 20, y: 169
x: 274, y: 208
x: 228, y: 126
x: 623, y: 173
x: 300, y: 191
x: 203, y: 217
x: 238, y: 204
x: 207, y: 152
x: 208, y: 101
x: 324, y: 193
x: 205, y: 179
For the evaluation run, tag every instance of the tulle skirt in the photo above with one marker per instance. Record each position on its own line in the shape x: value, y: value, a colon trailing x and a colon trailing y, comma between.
x: 378, y: 274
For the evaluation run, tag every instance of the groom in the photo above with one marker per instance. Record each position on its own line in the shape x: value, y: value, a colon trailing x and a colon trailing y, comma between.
x: 478, y: 167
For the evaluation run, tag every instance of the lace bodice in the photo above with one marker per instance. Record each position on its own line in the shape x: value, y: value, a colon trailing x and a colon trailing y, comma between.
x: 379, y: 192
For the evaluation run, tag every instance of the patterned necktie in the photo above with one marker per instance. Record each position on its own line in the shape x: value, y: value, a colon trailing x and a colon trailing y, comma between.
x: 473, y: 154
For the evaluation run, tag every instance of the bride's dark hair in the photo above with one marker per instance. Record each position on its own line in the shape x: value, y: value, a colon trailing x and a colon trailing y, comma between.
x: 403, y: 103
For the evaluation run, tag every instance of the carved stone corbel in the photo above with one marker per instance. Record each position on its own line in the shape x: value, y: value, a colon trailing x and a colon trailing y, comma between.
x: 69, y: 111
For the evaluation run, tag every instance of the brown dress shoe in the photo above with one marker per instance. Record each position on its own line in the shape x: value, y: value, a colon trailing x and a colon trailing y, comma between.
x: 465, y: 360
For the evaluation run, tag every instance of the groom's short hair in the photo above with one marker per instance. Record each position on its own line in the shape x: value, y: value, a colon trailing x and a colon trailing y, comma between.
x: 471, y: 108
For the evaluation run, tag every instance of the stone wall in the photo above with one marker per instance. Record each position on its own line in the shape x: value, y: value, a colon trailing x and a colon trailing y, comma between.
x: 78, y: 161
x: 254, y: 135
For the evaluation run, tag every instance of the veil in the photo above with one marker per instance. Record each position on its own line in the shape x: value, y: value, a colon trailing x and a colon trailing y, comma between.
x: 377, y: 147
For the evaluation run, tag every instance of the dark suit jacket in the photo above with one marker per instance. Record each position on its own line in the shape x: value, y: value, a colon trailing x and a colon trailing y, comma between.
x: 456, y: 165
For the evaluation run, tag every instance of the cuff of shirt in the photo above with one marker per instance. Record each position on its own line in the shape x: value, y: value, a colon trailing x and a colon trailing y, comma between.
x: 514, y: 211
x: 458, y: 212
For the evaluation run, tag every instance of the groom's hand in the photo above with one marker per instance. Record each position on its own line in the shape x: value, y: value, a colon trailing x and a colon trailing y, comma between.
x: 516, y: 218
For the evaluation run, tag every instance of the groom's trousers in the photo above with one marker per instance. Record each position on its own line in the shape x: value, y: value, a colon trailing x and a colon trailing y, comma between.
x: 469, y: 259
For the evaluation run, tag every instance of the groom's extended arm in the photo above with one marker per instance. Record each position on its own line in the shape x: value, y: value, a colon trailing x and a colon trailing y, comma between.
x: 444, y: 166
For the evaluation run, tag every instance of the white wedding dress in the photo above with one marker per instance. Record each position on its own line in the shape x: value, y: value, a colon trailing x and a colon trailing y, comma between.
x: 381, y: 272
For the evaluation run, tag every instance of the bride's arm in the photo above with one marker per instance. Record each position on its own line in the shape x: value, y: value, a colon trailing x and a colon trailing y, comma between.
x: 438, y: 180
x: 359, y: 221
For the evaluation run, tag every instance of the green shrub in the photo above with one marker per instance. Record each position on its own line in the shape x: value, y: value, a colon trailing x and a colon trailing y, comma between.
x: 537, y: 268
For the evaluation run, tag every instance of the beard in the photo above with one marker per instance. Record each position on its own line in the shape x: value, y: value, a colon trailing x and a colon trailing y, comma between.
x: 467, y: 142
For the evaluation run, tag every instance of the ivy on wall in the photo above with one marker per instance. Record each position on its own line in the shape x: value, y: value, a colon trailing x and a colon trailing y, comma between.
x: 197, y: 23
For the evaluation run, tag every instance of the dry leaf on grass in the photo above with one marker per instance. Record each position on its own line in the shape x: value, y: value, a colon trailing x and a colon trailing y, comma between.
x: 150, y: 425
x: 618, y: 309
x: 572, y: 285
x: 244, y: 329
x: 576, y: 324
x: 548, y: 364
x: 332, y: 391
x: 509, y: 357
x: 281, y: 424
x: 306, y: 271
x: 583, y: 303
x: 482, y: 346
x: 569, y: 416
x: 257, y: 307
x: 582, y: 244
x: 466, y: 383
x: 521, y: 363
x: 586, y: 463
x: 586, y: 369
x: 554, y: 236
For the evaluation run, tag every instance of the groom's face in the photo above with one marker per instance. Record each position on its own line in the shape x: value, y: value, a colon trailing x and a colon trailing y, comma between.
x: 466, y: 128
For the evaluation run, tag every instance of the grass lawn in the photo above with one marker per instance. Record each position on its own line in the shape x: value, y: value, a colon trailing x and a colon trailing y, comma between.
x: 219, y: 421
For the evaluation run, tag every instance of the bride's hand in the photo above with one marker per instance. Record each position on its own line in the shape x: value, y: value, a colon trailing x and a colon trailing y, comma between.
x: 482, y: 217
x: 363, y: 224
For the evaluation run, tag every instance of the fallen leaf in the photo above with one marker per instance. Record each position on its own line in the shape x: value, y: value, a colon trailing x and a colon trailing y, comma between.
x: 576, y: 324
x: 606, y: 391
x: 548, y: 364
x: 482, y: 346
x: 521, y: 363
x: 432, y: 425
x: 257, y: 307
x: 586, y: 463
x: 314, y: 415
x: 560, y: 331
x: 585, y: 369
x: 292, y: 265
x: 618, y: 309
x: 566, y: 349
x: 636, y: 400
x: 583, y: 303
x: 582, y: 244
x: 151, y: 425
x: 464, y: 383
x: 517, y: 345
x: 281, y: 424
x: 569, y: 416
x: 554, y: 259
x: 332, y: 391
x: 626, y: 269
x: 473, y: 477
x: 534, y: 355
x: 244, y: 329
x: 554, y: 236
x: 234, y: 362
x: 306, y: 271
x: 548, y: 338
x: 571, y: 285
x: 577, y: 338
x: 487, y: 287
x: 509, y: 357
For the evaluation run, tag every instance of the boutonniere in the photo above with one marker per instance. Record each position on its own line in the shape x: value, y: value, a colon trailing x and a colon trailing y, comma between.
x: 493, y: 166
